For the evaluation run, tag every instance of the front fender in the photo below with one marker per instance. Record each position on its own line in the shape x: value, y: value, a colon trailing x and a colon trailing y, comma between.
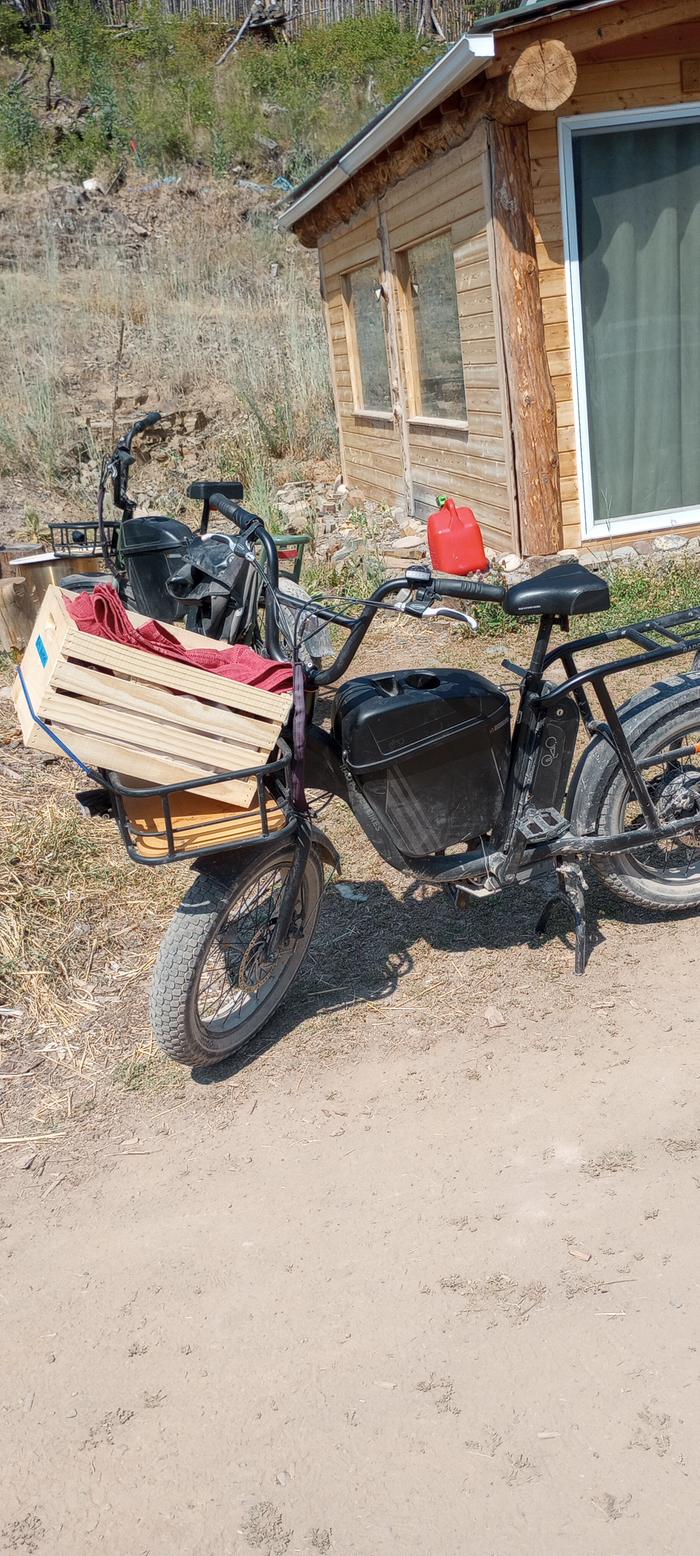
x: 236, y: 859
x: 325, y: 848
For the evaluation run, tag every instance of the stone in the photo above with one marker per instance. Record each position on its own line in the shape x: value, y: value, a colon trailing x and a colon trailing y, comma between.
x: 407, y: 544
x: 511, y: 563
x: 671, y: 543
x: 625, y: 554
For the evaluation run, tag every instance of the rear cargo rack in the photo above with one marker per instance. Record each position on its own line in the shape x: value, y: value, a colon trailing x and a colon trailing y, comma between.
x: 656, y: 639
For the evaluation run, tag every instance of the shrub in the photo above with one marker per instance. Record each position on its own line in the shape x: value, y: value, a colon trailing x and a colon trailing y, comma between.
x: 22, y: 143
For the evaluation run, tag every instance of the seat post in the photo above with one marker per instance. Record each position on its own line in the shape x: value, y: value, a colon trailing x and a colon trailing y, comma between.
x: 539, y: 652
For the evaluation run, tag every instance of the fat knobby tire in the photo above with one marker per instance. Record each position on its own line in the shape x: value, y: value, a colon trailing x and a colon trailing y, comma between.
x: 186, y: 944
x: 650, y: 721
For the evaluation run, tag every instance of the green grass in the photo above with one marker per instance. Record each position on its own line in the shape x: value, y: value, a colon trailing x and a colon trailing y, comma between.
x: 636, y: 593
x: 148, y: 1071
x: 155, y: 97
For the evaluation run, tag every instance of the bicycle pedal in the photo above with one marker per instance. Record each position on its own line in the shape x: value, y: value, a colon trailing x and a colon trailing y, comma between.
x: 542, y: 826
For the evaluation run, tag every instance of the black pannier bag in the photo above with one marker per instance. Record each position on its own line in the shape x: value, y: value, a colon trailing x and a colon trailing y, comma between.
x: 427, y: 751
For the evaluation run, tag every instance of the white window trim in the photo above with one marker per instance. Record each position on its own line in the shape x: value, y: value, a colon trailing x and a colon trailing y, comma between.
x: 568, y: 128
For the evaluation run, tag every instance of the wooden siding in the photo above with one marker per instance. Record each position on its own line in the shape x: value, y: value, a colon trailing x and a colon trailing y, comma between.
x: 645, y: 82
x: 369, y: 444
x: 469, y: 463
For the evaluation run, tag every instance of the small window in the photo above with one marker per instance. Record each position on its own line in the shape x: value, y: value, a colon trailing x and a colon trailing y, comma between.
x: 431, y: 317
x: 366, y: 340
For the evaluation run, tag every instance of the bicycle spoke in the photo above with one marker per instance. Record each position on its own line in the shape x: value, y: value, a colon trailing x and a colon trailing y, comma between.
x: 221, y: 1001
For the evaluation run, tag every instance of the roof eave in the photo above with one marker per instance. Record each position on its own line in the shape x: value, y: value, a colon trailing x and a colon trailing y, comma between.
x: 465, y: 60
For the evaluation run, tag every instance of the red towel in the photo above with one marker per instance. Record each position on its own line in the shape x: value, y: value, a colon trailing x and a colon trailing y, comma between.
x: 103, y: 615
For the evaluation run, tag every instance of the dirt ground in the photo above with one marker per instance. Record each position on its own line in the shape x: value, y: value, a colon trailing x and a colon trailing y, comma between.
x: 417, y: 1273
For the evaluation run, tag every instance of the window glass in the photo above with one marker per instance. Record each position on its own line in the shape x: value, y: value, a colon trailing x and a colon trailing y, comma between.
x: 372, y: 371
x: 638, y: 220
x: 436, y: 348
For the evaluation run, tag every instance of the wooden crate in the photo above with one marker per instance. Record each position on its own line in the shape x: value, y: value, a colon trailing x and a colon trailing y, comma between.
x: 133, y: 712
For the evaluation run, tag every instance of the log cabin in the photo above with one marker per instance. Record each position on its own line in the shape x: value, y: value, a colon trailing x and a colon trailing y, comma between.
x: 509, y: 263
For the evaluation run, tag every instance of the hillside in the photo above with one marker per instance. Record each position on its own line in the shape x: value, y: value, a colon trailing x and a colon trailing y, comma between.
x: 172, y: 248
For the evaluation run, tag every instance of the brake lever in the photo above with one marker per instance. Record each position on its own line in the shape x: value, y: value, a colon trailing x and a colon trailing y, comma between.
x: 461, y: 616
x: 409, y: 608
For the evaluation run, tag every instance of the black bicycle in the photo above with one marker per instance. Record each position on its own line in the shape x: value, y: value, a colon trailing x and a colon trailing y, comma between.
x: 445, y: 787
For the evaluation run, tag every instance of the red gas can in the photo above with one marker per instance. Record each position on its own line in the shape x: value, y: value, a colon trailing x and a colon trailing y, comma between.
x: 455, y: 541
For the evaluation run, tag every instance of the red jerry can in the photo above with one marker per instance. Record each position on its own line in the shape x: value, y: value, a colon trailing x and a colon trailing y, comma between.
x: 455, y: 541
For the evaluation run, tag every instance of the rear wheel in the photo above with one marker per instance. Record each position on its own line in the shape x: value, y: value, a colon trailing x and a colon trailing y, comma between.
x: 214, y: 987
x: 663, y: 875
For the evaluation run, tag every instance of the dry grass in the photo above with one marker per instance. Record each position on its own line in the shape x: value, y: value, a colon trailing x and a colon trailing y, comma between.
x: 217, y: 313
x: 79, y: 924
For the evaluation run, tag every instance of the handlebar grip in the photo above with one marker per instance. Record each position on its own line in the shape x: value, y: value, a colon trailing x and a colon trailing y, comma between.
x: 233, y: 511
x: 468, y: 589
x: 146, y: 421
x: 135, y: 431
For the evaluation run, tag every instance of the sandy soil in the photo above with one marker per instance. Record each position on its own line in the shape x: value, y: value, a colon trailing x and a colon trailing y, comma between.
x: 431, y: 1288
x: 416, y: 1274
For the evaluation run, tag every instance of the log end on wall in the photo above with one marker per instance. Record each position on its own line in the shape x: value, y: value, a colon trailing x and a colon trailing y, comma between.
x: 543, y: 77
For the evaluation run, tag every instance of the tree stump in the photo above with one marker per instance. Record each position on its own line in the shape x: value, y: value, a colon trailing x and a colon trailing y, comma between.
x: 16, y: 614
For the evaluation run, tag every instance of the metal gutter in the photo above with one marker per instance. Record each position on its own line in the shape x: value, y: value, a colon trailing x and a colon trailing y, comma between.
x: 532, y: 12
x: 466, y: 59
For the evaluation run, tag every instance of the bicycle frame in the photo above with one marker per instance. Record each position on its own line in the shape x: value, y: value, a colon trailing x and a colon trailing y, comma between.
x: 513, y: 844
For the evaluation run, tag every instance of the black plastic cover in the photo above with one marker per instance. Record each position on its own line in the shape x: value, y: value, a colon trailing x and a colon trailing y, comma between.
x: 429, y: 752
x: 153, y: 549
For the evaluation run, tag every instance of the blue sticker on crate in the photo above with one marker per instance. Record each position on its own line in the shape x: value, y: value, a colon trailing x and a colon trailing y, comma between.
x: 41, y: 651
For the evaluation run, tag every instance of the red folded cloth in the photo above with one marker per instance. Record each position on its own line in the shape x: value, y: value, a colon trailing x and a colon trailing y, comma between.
x: 102, y: 614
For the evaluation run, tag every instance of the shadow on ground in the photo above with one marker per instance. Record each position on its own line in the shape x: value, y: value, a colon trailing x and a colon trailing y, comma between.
x: 363, y: 949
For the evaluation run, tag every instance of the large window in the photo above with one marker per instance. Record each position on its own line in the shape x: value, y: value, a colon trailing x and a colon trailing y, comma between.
x: 633, y: 221
x: 432, y: 342
x: 366, y: 340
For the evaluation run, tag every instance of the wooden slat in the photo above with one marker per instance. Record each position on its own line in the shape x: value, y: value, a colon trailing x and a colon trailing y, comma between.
x: 218, y: 755
x: 183, y: 712
x: 464, y: 158
x: 152, y: 669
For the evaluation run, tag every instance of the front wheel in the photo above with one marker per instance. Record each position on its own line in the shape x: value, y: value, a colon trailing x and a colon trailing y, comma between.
x: 663, y: 875
x: 213, y: 986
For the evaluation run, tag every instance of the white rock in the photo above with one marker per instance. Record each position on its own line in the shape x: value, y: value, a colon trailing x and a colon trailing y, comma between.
x: 408, y: 543
x: 511, y: 563
x: 671, y: 542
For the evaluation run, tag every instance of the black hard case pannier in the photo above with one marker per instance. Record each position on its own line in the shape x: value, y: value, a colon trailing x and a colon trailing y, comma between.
x: 153, y: 549
x: 427, y: 751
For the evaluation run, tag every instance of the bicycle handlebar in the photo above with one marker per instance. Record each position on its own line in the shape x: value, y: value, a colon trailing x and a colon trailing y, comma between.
x: 139, y: 427
x: 418, y: 578
x: 252, y: 527
x: 237, y: 515
x: 468, y: 589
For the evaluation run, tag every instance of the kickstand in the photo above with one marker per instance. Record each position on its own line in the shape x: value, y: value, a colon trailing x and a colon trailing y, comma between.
x: 572, y: 887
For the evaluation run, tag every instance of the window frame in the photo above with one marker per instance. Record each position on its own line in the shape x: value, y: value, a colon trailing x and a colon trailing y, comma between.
x: 568, y: 129
x: 417, y: 417
x: 359, y: 408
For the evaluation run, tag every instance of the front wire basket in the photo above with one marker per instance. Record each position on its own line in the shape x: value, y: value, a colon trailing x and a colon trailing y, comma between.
x: 171, y: 823
x: 78, y: 537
